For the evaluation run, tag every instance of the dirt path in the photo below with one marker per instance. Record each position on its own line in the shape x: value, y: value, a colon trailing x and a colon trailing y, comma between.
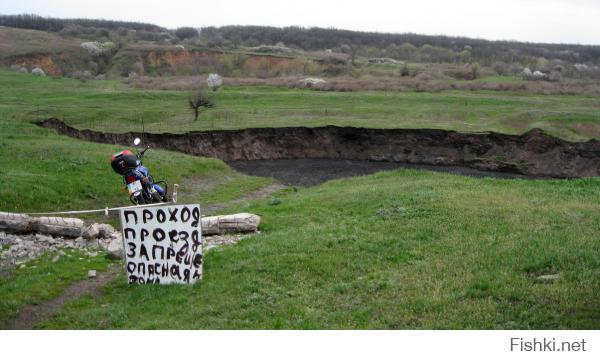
x: 31, y: 315
x: 261, y: 193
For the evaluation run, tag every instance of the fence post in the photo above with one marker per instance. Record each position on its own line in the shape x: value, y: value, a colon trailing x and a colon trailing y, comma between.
x: 175, y: 189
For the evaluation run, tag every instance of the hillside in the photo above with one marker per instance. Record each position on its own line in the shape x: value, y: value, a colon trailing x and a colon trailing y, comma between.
x: 18, y: 42
x: 411, y: 47
x: 313, y: 51
x: 83, y: 27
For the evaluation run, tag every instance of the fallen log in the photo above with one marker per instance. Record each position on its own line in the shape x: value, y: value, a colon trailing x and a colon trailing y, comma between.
x: 235, y: 223
x: 56, y: 226
x: 15, y: 223
x: 72, y: 227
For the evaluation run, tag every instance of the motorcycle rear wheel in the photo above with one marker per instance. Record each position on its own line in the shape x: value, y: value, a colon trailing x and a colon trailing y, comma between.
x: 137, y: 200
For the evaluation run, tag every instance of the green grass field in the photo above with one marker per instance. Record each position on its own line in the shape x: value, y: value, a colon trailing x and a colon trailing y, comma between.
x: 41, y: 171
x: 43, y: 279
x: 400, y: 249
x: 112, y: 106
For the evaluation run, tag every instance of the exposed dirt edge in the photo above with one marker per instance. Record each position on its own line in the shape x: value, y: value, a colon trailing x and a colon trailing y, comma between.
x: 534, y: 153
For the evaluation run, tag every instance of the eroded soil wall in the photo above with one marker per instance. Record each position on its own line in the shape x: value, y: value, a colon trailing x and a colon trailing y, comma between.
x: 533, y: 153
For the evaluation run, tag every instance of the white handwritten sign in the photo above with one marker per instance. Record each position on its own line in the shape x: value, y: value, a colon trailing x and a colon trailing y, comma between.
x: 163, y: 244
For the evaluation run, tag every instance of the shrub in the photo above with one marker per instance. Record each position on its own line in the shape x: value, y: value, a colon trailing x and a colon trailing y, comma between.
x: 538, y: 75
x: 474, y: 68
x: 500, y: 68
x: 404, y: 71
x: 186, y: 33
x: 214, y: 81
x: 93, y: 47
x: 554, y: 76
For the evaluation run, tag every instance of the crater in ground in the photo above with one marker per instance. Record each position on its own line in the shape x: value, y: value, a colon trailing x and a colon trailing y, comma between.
x: 304, y: 156
x: 310, y: 172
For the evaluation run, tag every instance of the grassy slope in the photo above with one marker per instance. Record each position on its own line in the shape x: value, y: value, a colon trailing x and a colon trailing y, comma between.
x: 46, y: 172
x: 43, y: 279
x: 16, y: 42
x: 41, y: 171
x: 111, y: 106
x: 402, y: 249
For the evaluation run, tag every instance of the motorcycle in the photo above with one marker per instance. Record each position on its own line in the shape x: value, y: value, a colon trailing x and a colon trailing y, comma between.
x: 140, y: 185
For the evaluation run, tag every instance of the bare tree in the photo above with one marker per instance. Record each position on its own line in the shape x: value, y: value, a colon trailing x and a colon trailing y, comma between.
x: 200, y: 100
x: 350, y: 50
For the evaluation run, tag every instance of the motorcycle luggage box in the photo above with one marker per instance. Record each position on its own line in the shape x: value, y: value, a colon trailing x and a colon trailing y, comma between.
x: 123, y: 161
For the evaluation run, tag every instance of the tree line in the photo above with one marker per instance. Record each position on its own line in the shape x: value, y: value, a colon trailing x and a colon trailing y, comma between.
x: 35, y: 22
x: 405, y: 46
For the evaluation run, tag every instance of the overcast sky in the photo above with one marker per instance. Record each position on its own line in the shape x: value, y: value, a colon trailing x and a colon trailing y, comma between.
x: 553, y: 21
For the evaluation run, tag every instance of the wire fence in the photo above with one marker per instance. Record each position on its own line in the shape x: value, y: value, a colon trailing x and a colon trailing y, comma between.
x: 112, y: 120
x: 121, y: 119
x: 11, y: 216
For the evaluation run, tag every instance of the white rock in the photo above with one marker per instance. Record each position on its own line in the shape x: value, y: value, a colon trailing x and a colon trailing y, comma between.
x: 113, y: 246
x: 38, y: 72
x: 384, y: 61
x: 91, y: 232
x: 106, y: 230
x: 80, y: 243
x: 311, y: 81
x: 44, y: 239
x: 548, y: 278
x: 91, y: 273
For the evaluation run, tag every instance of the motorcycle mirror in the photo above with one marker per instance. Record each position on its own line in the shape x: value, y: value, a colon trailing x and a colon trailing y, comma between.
x: 136, y: 141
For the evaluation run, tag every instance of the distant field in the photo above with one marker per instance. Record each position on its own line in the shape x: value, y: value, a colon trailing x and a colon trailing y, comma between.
x: 113, y: 106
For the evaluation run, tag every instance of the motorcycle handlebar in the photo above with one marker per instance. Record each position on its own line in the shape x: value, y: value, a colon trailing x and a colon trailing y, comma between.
x: 143, y: 151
